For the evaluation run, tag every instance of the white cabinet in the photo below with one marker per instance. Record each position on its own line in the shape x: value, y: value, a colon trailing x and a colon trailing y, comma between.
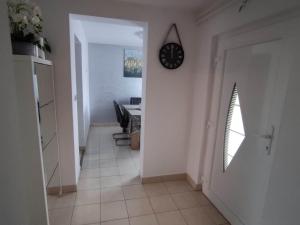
x: 35, y: 87
x: 50, y: 158
x: 45, y: 83
x: 47, y: 124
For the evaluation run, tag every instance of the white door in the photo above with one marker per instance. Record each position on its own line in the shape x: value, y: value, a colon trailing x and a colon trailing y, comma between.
x: 252, y: 76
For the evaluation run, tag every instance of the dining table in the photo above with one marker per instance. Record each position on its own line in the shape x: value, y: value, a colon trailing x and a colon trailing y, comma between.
x: 134, y: 125
x: 132, y: 107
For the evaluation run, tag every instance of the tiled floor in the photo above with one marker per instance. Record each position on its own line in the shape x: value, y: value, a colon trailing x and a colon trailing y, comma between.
x: 110, y: 192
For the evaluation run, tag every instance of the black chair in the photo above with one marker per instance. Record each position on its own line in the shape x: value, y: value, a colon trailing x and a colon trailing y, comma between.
x: 123, y: 118
x: 118, y: 112
x: 135, y: 100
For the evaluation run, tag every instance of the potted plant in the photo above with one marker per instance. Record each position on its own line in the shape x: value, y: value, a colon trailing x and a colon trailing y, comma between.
x: 26, y: 28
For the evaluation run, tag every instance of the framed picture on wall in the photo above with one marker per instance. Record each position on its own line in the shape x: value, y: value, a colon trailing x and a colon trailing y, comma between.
x: 133, y: 63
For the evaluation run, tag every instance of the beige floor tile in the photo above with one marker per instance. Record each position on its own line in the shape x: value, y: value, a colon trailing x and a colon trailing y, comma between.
x: 155, y: 189
x: 178, y: 186
x: 86, y: 214
x: 113, y: 211
x: 134, y: 191
x: 60, y: 216
x: 51, y: 201
x: 107, y: 155
x: 162, y: 203
x: 109, y: 171
x: 135, y: 154
x: 106, y: 151
x: 128, y: 169
x: 108, y: 163
x: 85, y: 197
x: 66, y: 200
x: 112, y: 194
x: 215, y: 215
x: 104, y: 146
x: 89, y: 183
x: 185, y: 200
x: 123, y: 154
x: 116, y: 222
x: 144, y: 220
x: 196, y: 216
x: 138, y: 207
x: 137, y: 163
x: 91, y: 156
x: 112, y: 181
x: 170, y: 218
x: 126, y: 147
x: 92, y: 149
x: 126, y: 163
x: 90, y: 164
x: 202, y: 199
x: 130, y: 179
x: 90, y: 173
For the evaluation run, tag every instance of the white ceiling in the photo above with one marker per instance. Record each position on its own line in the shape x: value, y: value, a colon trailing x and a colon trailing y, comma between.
x: 192, y: 5
x: 113, y: 33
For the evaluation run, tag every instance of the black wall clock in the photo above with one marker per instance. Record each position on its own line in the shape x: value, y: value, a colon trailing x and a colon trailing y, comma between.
x: 171, y: 55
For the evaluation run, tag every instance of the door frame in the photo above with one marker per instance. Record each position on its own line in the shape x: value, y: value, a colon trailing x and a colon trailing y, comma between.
x: 125, y: 21
x: 79, y: 90
x: 215, y: 84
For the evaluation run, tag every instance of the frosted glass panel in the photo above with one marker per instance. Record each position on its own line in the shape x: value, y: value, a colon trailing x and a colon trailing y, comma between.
x: 237, y: 121
x: 235, y: 141
x: 235, y: 132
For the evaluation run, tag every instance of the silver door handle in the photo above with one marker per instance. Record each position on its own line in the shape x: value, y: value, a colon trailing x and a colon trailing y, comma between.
x: 269, y: 137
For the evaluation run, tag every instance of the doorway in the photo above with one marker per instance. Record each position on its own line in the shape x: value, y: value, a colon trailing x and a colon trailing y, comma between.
x: 106, y: 54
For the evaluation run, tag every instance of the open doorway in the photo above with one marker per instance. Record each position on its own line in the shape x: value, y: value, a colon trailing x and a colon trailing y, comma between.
x: 113, y: 65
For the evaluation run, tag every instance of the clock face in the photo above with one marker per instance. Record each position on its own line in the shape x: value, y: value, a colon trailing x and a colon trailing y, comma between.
x: 171, y: 55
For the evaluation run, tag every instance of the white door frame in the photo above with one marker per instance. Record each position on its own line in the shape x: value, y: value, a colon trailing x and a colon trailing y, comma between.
x: 281, y: 20
x: 144, y: 25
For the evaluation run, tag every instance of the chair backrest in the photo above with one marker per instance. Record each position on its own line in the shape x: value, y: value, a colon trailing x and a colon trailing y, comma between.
x: 118, y: 111
x: 125, y: 117
x: 135, y: 100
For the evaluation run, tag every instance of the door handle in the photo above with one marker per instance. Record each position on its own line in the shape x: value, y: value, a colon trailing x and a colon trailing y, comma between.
x: 270, y: 138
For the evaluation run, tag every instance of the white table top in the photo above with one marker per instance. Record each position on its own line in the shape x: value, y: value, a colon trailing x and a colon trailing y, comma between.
x: 132, y: 107
x: 135, y: 112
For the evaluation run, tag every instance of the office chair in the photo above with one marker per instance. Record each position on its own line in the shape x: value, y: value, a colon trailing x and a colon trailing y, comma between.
x: 123, y: 119
x: 135, y: 100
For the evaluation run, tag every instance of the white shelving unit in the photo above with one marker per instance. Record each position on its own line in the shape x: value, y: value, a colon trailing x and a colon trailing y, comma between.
x: 35, y: 90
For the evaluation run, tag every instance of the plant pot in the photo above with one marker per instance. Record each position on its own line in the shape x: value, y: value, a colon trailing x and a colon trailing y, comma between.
x: 24, y: 48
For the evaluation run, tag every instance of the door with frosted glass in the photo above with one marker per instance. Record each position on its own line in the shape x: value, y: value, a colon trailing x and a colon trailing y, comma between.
x: 246, y: 128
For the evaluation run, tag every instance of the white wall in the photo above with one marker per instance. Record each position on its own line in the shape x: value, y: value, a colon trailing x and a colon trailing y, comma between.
x: 225, y: 21
x: 11, y: 206
x: 107, y: 83
x: 167, y: 94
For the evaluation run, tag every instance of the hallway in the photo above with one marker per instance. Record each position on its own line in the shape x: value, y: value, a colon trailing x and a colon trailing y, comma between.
x: 110, y: 192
